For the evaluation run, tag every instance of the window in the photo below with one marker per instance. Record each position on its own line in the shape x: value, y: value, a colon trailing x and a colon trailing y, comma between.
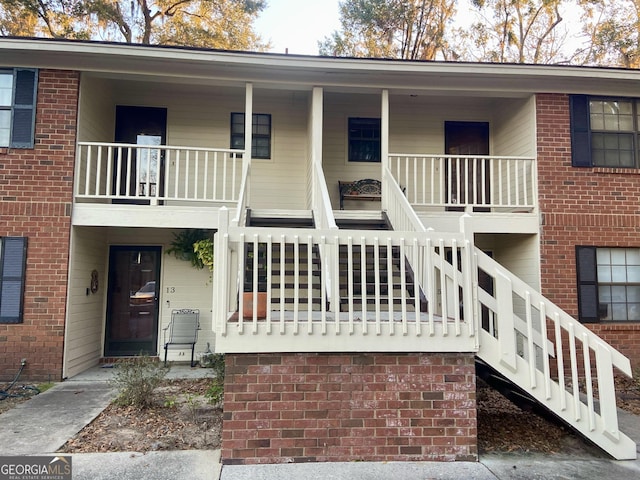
x: 364, y: 140
x: 605, y: 132
x: 608, y: 284
x: 13, y: 255
x: 17, y: 107
x: 261, y: 134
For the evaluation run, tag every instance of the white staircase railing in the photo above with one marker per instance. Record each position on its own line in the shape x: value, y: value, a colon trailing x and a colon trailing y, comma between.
x: 324, y: 220
x: 550, y: 355
x: 514, y: 329
x: 392, y: 316
x: 399, y: 211
x: 240, y: 217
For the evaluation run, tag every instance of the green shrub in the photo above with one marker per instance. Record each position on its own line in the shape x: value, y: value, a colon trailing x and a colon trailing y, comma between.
x: 215, y: 392
x: 136, y: 380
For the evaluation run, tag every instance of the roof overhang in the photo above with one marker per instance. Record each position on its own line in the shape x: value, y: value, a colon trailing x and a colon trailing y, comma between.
x: 202, y: 66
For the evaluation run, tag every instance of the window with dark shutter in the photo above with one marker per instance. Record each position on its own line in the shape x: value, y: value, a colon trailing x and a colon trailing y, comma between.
x: 24, y: 108
x: 586, y: 266
x: 13, y: 255
x: 580, y: 134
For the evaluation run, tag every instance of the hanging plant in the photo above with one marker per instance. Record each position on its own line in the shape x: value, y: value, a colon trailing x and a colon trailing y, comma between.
x: 183, y: 246
x: 204, y: 251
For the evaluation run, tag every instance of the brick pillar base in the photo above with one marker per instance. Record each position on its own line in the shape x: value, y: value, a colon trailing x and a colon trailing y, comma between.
x: 349, y: 407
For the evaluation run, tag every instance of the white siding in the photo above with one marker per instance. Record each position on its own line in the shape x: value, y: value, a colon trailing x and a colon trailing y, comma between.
x: 514, y: 128
x: 518, y: 253
x: 337, y: 110
x: 281, y: 182
x: 85, y: 312
x: 416, y: 126
x: 181, y: 286
x: 198, y: 116
x: 96, y: 117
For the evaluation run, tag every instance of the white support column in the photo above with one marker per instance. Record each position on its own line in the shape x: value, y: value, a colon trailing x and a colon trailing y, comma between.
x: 248, y: 131
x: 384, y: 138
x: 316, y: 131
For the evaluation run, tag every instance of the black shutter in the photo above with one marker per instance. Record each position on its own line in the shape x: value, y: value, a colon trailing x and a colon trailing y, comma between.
x: 12, y: 271
x: 24, y: 108
x: 580, y: 131
x: 586, y: 267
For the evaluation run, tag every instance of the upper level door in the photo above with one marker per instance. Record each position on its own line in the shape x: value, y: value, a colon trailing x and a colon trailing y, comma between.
x: 467, y: 179
x: 142, y: 166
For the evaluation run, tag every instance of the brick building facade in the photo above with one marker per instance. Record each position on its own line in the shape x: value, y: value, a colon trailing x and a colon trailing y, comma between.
x: 581, y: 206
x: 36, y: 203
x: 282, y: 408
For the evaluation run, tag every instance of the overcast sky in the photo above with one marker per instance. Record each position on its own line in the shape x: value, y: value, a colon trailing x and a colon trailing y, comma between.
x: 298, y: 24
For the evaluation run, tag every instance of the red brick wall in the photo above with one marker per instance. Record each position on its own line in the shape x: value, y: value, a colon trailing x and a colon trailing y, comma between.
x: 36, y: 195
x: 581, y: 206
x: 349, y: 407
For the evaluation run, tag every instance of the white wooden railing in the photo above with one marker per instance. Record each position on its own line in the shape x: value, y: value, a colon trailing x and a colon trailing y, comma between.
x: 513, y: 328
x: 324, y: 220
x: 399, y: 211
x: 393, y: 319
x: 157, y: 173
x: 550, y: 355
x: 240, y: 216
x: 467, y: 182
x: 322, y: 208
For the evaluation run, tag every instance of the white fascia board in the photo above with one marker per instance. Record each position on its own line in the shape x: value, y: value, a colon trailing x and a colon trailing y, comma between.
x: 300, y: 70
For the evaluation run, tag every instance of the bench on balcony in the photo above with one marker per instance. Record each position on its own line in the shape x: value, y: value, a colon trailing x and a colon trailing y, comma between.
x: 366, y: 189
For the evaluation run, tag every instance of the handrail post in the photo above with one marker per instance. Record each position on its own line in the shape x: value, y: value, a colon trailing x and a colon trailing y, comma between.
x: 221, y: 275
x: 470, y: 279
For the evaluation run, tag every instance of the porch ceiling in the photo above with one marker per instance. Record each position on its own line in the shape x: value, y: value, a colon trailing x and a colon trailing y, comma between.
x: 295, y: 71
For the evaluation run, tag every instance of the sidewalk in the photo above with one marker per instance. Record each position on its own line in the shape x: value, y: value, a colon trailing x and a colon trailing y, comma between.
x: 44, y: 423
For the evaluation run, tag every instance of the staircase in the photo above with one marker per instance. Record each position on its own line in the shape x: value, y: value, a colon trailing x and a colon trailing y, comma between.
x: 550, y: 357
x: 358, y: 280
x: 521, y: 337
x: 291, y: 288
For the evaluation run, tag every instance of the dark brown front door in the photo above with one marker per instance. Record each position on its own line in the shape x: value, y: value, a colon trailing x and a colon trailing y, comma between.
x: 132, y: 301
x: 147, y: 127
x: 467, y: 180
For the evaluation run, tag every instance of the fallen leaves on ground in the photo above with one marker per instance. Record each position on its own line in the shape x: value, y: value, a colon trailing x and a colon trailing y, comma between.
x: 180, y: 419
x: 505, y: 427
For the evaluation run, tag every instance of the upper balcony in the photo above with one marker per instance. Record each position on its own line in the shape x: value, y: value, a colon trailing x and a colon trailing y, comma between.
x: 168, y: 157
x: 137, y: 174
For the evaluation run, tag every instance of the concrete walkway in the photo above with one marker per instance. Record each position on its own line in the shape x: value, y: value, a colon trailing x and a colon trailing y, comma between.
x: 44, y: 423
